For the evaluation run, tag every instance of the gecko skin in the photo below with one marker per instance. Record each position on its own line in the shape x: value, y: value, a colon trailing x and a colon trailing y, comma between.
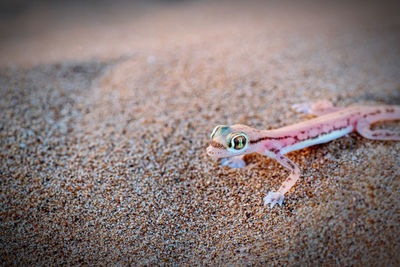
x: 233, y: 142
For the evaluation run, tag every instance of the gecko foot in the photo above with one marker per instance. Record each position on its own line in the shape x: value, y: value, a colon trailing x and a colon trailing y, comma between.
x: 301, y: 107
x: 233, y: 162
x: 273, y: 198
x: 319, y: 108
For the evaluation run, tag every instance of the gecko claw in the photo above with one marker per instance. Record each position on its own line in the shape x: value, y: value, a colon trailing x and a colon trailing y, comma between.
x: 273, y: 198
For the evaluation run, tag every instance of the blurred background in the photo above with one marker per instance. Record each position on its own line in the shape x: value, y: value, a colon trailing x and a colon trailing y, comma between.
x: 47, y: 30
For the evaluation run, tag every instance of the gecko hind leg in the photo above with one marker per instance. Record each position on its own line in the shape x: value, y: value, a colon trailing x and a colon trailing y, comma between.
x: 233, y: 162
x: 318, y: 108
x: 364, y: 129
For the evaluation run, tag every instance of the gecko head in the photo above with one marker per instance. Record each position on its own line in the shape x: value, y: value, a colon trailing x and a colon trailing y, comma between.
x: 229, y: 141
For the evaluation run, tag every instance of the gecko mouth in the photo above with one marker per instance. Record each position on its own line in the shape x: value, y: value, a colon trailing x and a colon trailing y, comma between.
x: 215, y: 153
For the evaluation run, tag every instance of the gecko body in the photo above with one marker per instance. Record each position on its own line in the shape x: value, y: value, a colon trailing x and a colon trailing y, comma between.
x: 233, y: 142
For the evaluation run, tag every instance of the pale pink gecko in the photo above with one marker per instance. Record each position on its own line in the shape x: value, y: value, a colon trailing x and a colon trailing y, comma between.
x: 233, y: 142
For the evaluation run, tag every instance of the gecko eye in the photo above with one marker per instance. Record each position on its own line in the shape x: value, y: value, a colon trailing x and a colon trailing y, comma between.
x: 215, y: 130
x: 238, y: 141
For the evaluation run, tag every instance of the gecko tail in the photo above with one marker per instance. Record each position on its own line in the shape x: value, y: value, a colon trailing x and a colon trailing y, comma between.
x: 382, y: 114
x: 393, y: 112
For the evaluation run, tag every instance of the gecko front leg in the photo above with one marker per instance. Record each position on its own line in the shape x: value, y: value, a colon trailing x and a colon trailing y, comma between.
x: 234, y: 162
x: 277, y: 197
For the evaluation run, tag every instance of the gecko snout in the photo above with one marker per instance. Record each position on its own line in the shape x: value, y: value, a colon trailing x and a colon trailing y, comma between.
x: 209, y: 150
x: 215, y: 152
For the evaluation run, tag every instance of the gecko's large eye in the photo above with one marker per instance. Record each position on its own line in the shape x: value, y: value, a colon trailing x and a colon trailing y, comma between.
x: 215, y: 130
x: 238, y: 141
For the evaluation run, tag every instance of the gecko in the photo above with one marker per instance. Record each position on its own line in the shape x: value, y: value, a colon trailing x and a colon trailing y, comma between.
x: 231, y: 143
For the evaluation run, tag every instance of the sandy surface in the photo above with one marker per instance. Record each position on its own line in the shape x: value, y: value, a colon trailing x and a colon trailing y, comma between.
x: 106, y: 113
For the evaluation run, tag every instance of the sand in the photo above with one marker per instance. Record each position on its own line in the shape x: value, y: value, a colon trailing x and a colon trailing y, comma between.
x: 106, y: 112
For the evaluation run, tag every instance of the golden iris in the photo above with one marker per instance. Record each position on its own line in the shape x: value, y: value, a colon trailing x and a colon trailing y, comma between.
x: 238, y: 142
